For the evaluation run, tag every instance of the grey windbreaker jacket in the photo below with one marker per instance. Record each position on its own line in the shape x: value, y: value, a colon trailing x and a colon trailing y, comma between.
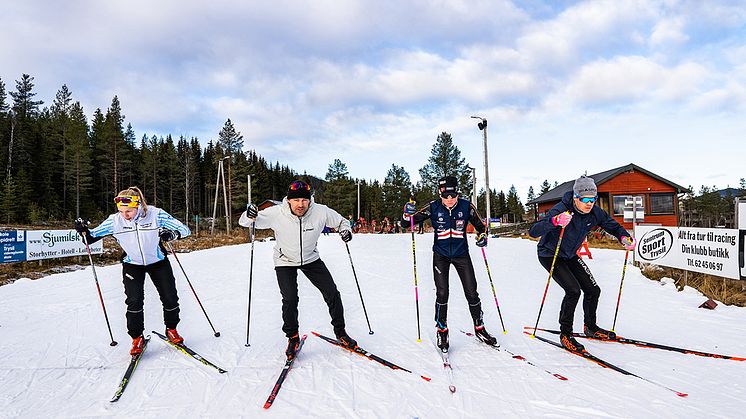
x: 296, y: 237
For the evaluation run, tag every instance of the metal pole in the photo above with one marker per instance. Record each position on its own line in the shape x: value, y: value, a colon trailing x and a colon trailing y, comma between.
x: 483, y: 127
x: 486, y: 176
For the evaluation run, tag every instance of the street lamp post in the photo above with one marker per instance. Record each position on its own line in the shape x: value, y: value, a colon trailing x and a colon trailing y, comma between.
x: 483, y: 127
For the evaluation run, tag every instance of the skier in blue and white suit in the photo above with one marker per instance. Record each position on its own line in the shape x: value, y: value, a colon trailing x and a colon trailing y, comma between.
x: 139, y: 230
x: 450, y: 216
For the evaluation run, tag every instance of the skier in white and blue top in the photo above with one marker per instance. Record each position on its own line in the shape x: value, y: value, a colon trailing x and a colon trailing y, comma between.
x: 139, y: 229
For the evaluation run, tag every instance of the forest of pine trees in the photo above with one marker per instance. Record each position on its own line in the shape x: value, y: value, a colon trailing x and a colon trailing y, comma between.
x: 60, y: 165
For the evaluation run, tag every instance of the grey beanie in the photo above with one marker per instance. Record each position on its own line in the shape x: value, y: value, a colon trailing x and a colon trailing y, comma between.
x: 585, y: 186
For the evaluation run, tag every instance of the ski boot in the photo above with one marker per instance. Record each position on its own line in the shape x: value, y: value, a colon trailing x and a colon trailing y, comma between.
x: 174, y: 337
x: 293, y: 342
x: 346, y: 340
x: 484, y: 336
x: 137, y: 344
x: 569, y: 343
x: 441, y: 336
x: 598, y: 333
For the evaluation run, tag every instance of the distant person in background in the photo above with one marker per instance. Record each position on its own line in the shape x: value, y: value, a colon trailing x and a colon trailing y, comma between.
x: 449, y: 216
x: 297, y: 224
x: 577, y: 215
x: 139, y: 229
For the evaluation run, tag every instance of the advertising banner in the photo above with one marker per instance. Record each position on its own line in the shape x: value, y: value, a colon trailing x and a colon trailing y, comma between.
x: 741, y: 211
x: 13, y: 244
x: 48, y: 244
x: 712, y: 251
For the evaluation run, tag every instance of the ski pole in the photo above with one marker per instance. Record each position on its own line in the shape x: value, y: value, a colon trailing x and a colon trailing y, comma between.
x: 100, y: 297
x: 619, y: 297
x: 494, y: 294
x: 370, y: 331
x: 171, y: 249
x: 251, y: 280
x: 416, y: 289
x: 551, y: 271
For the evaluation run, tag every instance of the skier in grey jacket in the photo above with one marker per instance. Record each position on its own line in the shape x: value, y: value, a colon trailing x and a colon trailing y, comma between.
x: 298, y: 222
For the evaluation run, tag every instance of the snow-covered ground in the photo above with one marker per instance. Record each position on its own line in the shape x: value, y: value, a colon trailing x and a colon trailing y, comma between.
x: 55, y: 360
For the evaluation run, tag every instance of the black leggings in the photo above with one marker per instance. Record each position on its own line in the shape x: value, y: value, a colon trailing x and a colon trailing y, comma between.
x: 574, y: 276
x: 134, y: 288
x: 465, y: 270
x: 318, y: 274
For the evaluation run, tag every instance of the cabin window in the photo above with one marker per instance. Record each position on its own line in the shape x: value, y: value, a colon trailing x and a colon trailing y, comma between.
x: 619, y: 201
x: 661, y: 203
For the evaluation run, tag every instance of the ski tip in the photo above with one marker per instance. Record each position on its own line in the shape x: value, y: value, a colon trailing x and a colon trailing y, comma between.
x: 267, y: 405
x: 315, y: 333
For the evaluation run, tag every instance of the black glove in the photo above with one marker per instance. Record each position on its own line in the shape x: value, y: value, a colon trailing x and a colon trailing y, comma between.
x: 346, y: 235
x: 251, y: 211
x: 481, y: 239
x: 81, y: 226
x: 168, y: 235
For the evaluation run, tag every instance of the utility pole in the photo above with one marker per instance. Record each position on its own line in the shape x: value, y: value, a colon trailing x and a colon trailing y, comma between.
x: 483, y: 127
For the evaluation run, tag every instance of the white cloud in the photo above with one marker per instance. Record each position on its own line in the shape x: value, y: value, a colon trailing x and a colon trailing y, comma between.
x: 668, y: 32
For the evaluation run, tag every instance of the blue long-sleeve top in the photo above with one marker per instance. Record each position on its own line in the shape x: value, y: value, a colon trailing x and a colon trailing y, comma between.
x: 575, y: 232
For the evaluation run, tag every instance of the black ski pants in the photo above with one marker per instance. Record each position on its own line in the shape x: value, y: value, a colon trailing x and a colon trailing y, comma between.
x: 318, y: 274
x: 465, y: 270
x: 574, y: 276
x: 134, y: 288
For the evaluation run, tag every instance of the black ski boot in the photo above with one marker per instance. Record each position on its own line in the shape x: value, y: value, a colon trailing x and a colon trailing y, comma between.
x: 598, y: 333
x: 484, y: 336
x: 569, y: 342
x: 346, y: 340
x: 442, y: 339
x: 293, y: 342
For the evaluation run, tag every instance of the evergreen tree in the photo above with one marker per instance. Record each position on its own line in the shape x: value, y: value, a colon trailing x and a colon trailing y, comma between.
x: 111, y: 151
x: 340, y: 191
x: 59, y: 136
x: 24, y: 144
x: 26, y: 111
x: 545, y: 187
x: 78, y: 156
x: 396, y: 190
x: 231, y: 142
x: 445, y: 160
x: 515, y: 207
x: 97, y: 139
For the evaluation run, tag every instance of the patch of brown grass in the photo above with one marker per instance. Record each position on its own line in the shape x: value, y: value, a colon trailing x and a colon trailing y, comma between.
x: 10, y: 272
x: 727, y: 291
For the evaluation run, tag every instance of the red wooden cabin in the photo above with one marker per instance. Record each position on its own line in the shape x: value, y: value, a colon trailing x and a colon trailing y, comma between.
x: 659, y: 196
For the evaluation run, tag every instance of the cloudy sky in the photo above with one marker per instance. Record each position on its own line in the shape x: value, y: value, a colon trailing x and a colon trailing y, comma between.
x: 567, y: 86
